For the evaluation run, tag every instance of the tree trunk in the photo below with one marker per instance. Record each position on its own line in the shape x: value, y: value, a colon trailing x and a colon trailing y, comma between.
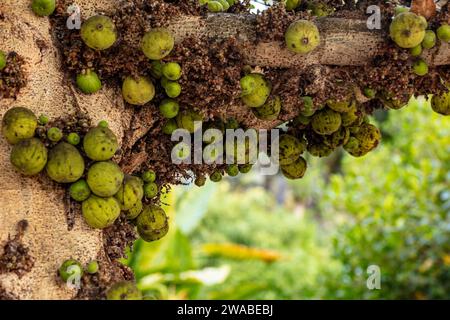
x: 49, y: 91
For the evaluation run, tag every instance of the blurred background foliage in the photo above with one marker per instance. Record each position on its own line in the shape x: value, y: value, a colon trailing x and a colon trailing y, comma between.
x: 262, y: 237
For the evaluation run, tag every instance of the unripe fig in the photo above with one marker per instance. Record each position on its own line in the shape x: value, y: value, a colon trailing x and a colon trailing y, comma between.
x: 255, y: 90
x: 429, y: 41
x: 225, y: 4
x: 200, y: 181
x: 302, y: 36
x: 100, y: 144
x: 157, y: 43
x: 170, y: 126
x: 340, y: 106
x: 100, y: 212
x: 65, y: 163
x: 215, y: 6
x: 156, y: 70
x: 416, y: 51
x: 319, y: 149
x: 364, y: 140
x: 441, y: 103
x: 443, y: 33
x: 270, y: 110
x: 407, y: 30
x: 134, y: 211
x: 187, y: 118
x: 54, y: 134
x: 292, y: 4
x: 169, y: 108
x: 18, y: 123
x: 43, y: 8
x: 150, y: 190
x: 92, y: 267
x: 29, y: 156
x: 79, y: 191
x: 73, y: 138
x: 232, y: 170
x: 171, y: 71
x: 43, y: 119
x: 89, y: 82
x: 295, y: 170
x: 105, y: 178
x: 138, y: 91
x: 173, y: 89
x: 290, y: 149
x: 152, y: 223
x: 420, y: 67
x: 326, y: 121
x: 124, y: 290
x: 149, y: 176
x: 130, y: 192
x: 216, y: 176
x: 245, y: 168
x: 70, y: 268
x: 99, y: 32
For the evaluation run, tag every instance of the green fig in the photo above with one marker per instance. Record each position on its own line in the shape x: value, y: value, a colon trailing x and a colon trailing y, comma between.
x: 124, y: 290
x: 54, y: 134
x: 138, y: 91
x: 131, y: 192
x: 105, y: 178
x: 157, y: 43
x: 270, y: 110
x: 255, y: 90
x: 18, y: 123
x: 169, y: 108
x: 186, y: 120
x: 302, y: 36
x: 29, y: 156
x: 99, y: 32
x: 326, y: 121
x: 89, y: 82
x: 100, y: 144
x: 290, y: 149
x: 43, y: 8
x: 443, y: 33
x: 441, y: 104
x: 65, y: 163
x: 407, y: 30
x: 79, y: 191
x: 171, y: 71
x: 429, y: 41
x: 100, y: 212
x: 70, y: 268
x: 152, y: 223
x: 294, y: 170
x: 3, y: 59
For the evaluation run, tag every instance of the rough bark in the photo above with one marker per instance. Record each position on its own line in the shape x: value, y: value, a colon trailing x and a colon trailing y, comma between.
x: 49, y: 91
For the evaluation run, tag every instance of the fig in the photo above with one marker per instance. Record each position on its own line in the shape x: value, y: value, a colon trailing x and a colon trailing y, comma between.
x: 99, y: 32
x: 407, y: 30
x: 290, y: 149
x: 152, y: 223
x: 169, y: 108
x: 138, y: 91
x: 79, y: 191
x: 29, y: 156
x: 157, y: 43
x: 70, y: 268
x: 124, y: 290
x: 171, y: 71
x: 294, y: 170
x: 100, y: 212
x: 89, y: 82
x: 130, y: 192
x: 269, y: 111
x: 255, y: 90
x: 187, y: 118
x: 105, y: 178
x: 43, y: 8
x: 3, y: 59
x: 441, y: 104
x: 18, y: 123
x: 65, y: 163
x: 100, y: 144
x: 326, y: 121
x: 302, y: 36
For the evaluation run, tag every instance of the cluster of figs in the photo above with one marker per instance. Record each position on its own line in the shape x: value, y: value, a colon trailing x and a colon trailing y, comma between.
x: 84, y: 164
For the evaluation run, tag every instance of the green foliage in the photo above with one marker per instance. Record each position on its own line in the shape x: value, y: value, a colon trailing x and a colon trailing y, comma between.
x: 390, y: 210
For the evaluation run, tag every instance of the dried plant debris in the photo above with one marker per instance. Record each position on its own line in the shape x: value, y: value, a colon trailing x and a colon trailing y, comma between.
x: 5, y: 295
x: 16, y: 256
x: 12, y: 77
x: 119, y: 237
